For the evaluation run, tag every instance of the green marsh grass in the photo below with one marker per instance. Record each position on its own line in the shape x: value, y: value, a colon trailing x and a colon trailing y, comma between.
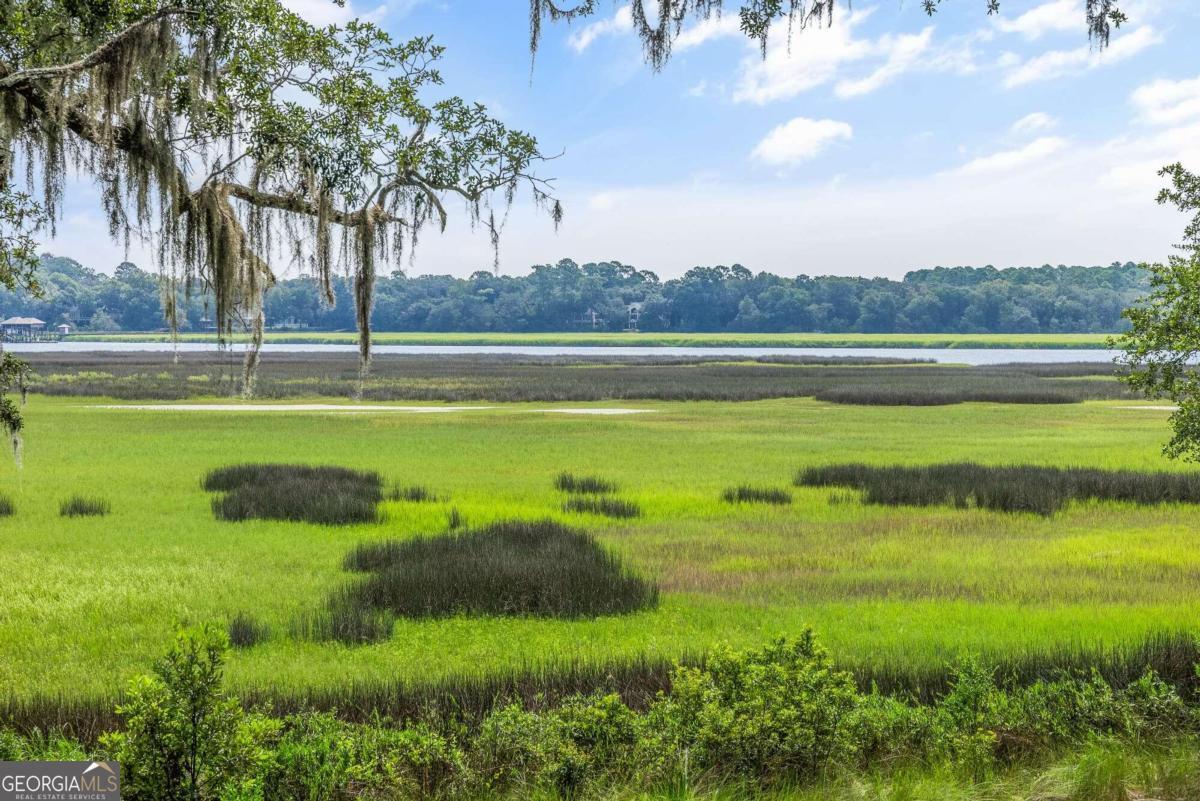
x: 7, y: 507
x: 495, y: 378
x: 81, y: 506
x: 315, y: 494
x: 882, y: 585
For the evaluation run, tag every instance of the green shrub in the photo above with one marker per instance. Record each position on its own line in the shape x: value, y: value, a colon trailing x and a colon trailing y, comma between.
x: 320, y: 758
x: 514, y: 749
x: 559, y: 750
x: 782, y: 711
x: 183, y: 736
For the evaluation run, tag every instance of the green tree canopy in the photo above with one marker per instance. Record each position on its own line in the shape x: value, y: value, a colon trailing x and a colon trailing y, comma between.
x: 232, y: 133
x: 1162, y: 346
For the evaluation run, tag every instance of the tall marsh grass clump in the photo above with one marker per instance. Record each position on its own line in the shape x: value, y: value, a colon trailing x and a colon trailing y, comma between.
x: 748, y: 494
x: 412, y: 494
x: 81, y: 506
x: 605, y: 507
x: 583, y: 485
x: 245, y: 631
x: 1015, y: 488
x: 536, y: 569
x: 882, y: 395
x: 311, y: 494
x: 7, y: 507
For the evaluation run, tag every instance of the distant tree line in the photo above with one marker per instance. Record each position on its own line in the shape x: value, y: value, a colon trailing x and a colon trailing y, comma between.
x: 611, y: 296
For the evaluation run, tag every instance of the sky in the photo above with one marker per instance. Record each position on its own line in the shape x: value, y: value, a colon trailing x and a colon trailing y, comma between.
x: 886, y: 142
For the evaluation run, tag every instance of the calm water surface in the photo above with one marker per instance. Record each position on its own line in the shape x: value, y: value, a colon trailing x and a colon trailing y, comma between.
x: 943, y: 355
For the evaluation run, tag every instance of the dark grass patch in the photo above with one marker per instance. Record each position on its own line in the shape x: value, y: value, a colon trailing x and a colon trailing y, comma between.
x: 583, y: 485
x: 302, y: 493
x: 246, y: 632
x: 80, y: 506
x: 536, y: 569
x: 455, y: 519
x: 748, y: 494
x: 7, y: 508
x: 607, y: 507
x: 1019, y: 488
x: 918, y: 396
x: 413, y: 494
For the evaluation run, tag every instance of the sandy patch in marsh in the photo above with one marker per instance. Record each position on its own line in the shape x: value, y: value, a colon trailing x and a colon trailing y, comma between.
x: 345, y: 408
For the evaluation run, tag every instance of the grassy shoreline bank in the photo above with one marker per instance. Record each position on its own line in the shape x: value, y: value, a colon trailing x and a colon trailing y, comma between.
x: 653, y: 339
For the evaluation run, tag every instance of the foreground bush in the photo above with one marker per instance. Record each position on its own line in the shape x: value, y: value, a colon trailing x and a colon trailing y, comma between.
x: 780, y: 718
x: 312, y: 494
x: 183, y: 736
x: 1018, y: 488
x: 540, y: 569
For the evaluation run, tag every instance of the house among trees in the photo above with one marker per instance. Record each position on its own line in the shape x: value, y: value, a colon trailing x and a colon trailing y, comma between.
x: 63, y: 329
x: 635, y: 315
x: 22, y: 328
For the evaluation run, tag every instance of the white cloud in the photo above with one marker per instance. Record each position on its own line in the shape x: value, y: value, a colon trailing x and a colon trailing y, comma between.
x: 1165, y: 102
x: 1007, y: 160
x: 1073, y: 207
x: 619, y: 23
x: 821, y: 55
x: 1037, y: 122
x: 813, y: 60
x: 1057, y: 63
x: 800, y: 139
x: 1056, y: 15
x: 903, y: 52
x: 698, y: 89
x: 715, y: 27
x: 326, y: 12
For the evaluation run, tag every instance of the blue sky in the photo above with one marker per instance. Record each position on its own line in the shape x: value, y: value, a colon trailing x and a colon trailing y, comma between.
x: 887, y: 142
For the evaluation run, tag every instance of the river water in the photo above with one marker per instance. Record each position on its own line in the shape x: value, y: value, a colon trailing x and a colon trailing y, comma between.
x: 943, y: 355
